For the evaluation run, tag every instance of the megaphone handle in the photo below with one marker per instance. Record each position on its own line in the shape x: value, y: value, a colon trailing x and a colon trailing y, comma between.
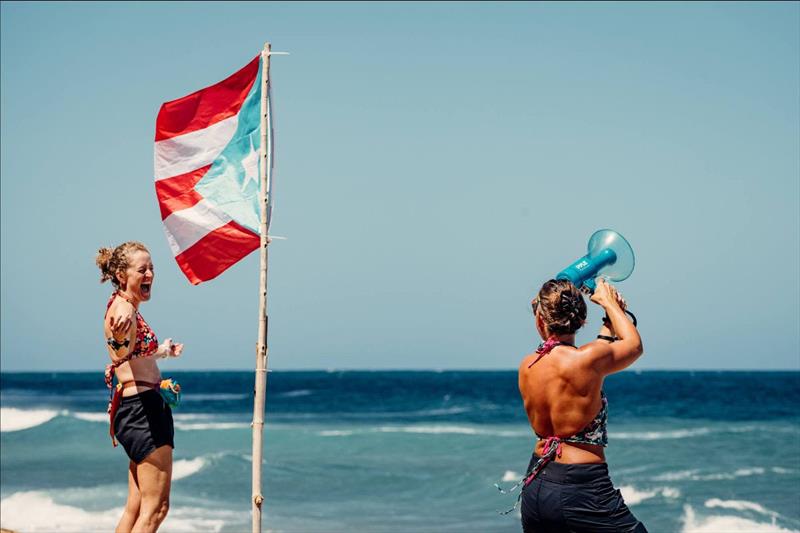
x: 607, y: 320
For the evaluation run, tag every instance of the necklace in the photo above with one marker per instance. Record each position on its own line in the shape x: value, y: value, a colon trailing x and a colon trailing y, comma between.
x: 127, y: 299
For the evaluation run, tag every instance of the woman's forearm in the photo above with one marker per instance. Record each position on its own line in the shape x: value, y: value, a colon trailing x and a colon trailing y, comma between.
x: 621, y: 326
x: 606, y: 330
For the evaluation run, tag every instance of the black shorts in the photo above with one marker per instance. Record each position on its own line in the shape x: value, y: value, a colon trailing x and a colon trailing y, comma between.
x: 575, y: 498
x: 144, y: 423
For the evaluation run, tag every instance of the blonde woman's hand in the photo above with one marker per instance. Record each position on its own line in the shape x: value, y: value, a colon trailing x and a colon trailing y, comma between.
x: 169, y: 349
x: 119, y: 326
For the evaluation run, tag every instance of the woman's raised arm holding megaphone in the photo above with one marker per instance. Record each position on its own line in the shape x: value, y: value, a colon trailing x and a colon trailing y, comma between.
x: 626, y: 346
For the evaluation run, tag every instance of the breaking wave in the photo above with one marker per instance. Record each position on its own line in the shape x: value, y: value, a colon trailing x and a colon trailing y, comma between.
x: 35, y: 511
x: 13, y: 419
x: 728, y: 523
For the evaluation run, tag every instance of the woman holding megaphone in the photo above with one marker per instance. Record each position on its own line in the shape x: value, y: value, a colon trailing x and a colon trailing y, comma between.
x: 567, y: 486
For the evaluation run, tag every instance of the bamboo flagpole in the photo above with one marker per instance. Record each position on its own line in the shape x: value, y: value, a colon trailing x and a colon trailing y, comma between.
x: 265, y: 168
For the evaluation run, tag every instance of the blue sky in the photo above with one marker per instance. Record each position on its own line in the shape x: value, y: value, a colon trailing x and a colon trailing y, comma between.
x: 435, y: 164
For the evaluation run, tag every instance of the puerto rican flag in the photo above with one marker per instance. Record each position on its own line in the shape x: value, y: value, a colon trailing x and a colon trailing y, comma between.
x: 207, y: 173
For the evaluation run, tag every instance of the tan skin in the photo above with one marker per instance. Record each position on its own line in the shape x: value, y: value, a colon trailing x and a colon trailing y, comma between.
x: 148, y: 481
x: 561, y: 392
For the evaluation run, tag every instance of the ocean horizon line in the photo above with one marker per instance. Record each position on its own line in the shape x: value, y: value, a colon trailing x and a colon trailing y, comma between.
x: 414, y: 370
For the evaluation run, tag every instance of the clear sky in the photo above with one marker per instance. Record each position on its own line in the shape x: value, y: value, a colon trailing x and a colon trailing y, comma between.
x: 435, y: 164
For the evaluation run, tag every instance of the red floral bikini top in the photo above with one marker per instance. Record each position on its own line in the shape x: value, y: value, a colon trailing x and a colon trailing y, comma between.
x: 146, y: 340
x: 145, y: 345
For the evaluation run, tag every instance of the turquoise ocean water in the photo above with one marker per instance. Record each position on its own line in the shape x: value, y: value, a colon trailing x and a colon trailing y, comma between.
x: 402, y: 451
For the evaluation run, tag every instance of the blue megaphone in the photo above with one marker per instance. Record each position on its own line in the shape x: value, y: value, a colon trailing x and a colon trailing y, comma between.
x: 608, y: 255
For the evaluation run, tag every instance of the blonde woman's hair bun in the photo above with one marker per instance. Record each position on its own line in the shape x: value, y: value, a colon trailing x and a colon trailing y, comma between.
x: 103, y: 261
x: 113, y: 260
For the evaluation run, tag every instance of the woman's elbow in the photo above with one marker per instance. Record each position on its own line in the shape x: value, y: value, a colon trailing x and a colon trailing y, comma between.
x: 639, y: 349
x: 634, y: 349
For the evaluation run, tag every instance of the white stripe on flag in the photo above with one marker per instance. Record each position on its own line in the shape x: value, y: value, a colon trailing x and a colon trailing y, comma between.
x: 194, y: 150
x: 187, y: 226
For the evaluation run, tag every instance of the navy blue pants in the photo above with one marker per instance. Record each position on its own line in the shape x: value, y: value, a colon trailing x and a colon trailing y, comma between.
x: 575, y: 498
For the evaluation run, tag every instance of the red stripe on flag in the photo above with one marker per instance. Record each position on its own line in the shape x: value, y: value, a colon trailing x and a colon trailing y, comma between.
x: 178, y: 192
x: 207, y: 106
x: 216, y: 252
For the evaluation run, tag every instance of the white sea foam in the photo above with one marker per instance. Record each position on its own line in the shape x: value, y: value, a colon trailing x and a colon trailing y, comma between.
x: 661, y: 435
x: 633, y: 469
x: 740, y: 505
x: 295, y: 393
x: 35, y: 511
x: 510, y: 475
x: 454, y: 429
x: 633, y: 496
x: 440, y: 411
x: 695, y: 475
x: 729, y: 524
x: 741, y: 472
x: 676, y: 476
x: 201, y: 426
x: 741, y: 429
x: 445, y: 411
x: 695, y: 432
x: 424, y: 429
x: 435, y: 430
x: 186, y: 467
x: 103, y: 417
x: 92, y: 417
x: 13, y: 419
x: 190, y: 416
x: 336, y: 433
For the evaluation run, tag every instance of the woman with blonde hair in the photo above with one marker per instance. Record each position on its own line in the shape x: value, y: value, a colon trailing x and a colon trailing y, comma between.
x: 567, y: 486
x: 140, y: 414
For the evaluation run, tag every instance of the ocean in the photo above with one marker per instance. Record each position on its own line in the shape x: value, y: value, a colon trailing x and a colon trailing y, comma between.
x: 402, y: 451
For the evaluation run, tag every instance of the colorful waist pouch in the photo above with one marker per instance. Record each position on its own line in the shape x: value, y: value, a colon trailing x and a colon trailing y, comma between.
x: 170, y: 390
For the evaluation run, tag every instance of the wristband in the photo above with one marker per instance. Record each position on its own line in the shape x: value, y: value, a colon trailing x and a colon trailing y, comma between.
x: 607, y: 338
x: 607, y: 321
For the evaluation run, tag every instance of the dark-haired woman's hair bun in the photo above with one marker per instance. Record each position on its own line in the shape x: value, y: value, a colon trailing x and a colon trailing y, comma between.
x: 562, y: 307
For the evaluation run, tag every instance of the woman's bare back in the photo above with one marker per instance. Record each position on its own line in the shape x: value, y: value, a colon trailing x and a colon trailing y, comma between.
x: 561, y: 395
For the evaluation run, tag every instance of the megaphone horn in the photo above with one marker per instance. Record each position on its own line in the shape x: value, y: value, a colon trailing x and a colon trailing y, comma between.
x: 608, y: 255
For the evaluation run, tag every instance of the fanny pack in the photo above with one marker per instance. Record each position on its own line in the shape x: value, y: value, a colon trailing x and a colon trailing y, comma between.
x: 170, y: 390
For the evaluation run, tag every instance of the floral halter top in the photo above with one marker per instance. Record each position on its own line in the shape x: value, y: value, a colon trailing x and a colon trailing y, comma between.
x: 146, y: 340
x: 145, y: 345
x: 595, y: 431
